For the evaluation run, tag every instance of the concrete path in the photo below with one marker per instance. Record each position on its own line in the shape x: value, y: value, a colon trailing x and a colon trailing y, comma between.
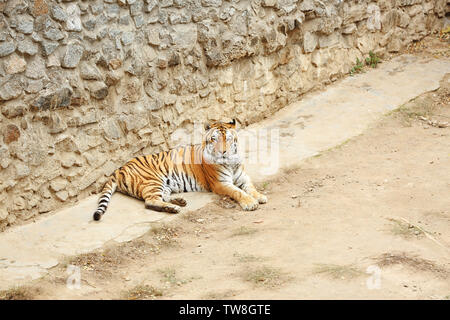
x: 318, y: 122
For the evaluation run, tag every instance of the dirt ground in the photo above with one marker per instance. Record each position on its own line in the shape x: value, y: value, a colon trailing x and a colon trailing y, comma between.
x: 368, y: 219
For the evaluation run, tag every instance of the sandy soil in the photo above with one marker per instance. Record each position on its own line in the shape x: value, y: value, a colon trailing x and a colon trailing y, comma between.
x: 368, y: 219
x: 379, y: 201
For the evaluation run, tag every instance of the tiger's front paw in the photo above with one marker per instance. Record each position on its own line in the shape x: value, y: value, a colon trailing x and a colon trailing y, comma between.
x: 261, y: 198
x: 249, y: 204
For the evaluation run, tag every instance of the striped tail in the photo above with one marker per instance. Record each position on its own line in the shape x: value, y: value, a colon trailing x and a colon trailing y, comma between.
x: 107, y: 192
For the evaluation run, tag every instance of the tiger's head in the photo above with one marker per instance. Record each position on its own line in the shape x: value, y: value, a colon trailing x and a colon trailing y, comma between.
x: 220, y: 143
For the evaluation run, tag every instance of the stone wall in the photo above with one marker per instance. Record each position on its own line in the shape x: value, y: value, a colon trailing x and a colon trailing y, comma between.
x: 86, y: 85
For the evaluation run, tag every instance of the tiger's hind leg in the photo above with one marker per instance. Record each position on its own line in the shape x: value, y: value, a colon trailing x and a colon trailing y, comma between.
x: 154, y: 197
x: 156, y: 203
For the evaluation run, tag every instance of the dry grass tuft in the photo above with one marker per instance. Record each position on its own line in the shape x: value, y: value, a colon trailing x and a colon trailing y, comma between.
x: 341, y: 272
x: 412, y: 261
x: 100, y: 262
x: 165, y: 235
x: 142, y: 292
x: 91, y: 259
x: 104, y: 262
x: 414, y: 110
x: 243, y: 231
x: 405, y: 230
x: 242, y: 257
x: 169, y: 275
x: 220, y: 295
x: 265, y: 276
x: 20, y: 293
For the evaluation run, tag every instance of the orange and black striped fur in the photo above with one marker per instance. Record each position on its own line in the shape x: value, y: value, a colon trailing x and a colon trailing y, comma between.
x: 212, y: 166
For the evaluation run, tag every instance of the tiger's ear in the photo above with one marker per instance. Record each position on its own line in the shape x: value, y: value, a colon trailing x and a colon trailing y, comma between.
x: 207, y: 126
x: 232, y: 123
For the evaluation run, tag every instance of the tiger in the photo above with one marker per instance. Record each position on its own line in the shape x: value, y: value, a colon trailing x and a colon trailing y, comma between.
x: 213, y: 165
